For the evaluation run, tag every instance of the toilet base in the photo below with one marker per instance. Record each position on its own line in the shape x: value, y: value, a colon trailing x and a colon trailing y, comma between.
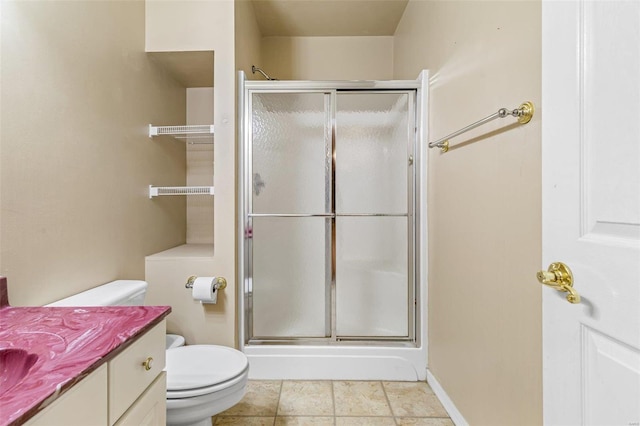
x: 197, y: 411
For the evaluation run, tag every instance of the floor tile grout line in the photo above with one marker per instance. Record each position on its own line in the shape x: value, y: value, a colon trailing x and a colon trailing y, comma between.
x: 333, y: 399
x: 393, y: 414
x: 379, y: 416
x: 278, y: 402
x: 396, y: 418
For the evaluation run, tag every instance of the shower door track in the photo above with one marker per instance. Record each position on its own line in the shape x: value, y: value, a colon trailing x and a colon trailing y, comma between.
x: 331, y: 338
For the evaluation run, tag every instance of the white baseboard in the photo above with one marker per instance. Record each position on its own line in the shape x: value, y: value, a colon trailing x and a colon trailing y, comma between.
x: 447, y: 403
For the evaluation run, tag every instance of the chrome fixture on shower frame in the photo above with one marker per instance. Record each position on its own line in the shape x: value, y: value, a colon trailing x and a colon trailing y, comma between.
x: 523, y: 113
x: 255, y: 69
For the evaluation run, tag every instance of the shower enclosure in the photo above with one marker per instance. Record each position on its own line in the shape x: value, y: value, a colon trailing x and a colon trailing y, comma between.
x: 331, y: 282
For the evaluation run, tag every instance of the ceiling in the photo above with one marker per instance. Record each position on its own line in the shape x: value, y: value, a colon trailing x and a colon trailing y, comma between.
x: 304, y: 18
x: 294, y: 18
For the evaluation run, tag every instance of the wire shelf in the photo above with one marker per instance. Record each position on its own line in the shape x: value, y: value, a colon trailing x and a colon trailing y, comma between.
x: 156, y: 191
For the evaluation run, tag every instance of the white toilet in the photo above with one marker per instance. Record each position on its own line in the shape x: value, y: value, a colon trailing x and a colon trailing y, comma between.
x: 202, y: 380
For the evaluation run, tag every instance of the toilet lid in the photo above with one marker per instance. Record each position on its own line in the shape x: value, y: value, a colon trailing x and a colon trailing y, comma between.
x: 198, y: 366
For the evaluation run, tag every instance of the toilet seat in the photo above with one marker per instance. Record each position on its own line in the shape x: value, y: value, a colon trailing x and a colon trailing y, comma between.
x: 203, y: 369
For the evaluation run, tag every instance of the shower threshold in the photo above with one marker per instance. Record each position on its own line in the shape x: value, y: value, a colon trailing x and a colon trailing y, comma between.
x: 394, y: 361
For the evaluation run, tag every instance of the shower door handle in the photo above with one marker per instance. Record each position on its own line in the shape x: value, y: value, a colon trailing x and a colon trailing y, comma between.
x: 258, y: 184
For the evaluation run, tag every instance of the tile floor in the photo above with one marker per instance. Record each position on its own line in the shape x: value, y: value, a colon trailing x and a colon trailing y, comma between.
x: 340, y: 403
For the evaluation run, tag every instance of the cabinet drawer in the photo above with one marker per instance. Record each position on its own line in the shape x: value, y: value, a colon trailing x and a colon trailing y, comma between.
x: 128, y: 376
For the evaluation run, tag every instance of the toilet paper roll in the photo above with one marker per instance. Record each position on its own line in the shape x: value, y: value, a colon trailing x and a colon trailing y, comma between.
x: 204, y: 291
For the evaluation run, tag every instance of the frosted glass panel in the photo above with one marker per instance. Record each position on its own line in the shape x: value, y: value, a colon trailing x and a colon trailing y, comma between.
x: 371, y: 276
x: 372, y: 152
x: 289, y: 277
x: 290, y: 146
x: 291, y: 258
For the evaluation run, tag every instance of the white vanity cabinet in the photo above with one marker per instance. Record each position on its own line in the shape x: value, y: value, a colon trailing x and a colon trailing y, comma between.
x: 82, y: 405
x: 130, y: 389
x: 150, y: 409
x: 132, y: 373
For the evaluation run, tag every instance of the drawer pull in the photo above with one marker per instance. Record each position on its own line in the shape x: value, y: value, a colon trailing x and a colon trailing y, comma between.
x: 148, y: 363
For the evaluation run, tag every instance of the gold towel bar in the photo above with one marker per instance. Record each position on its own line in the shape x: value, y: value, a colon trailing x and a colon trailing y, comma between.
x: 523, y: 113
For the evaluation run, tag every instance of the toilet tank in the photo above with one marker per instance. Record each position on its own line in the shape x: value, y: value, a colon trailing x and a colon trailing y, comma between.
x: 115, y: 293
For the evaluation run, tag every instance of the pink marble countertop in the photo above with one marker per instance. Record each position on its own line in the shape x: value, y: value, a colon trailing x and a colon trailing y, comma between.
x: 59, y: 347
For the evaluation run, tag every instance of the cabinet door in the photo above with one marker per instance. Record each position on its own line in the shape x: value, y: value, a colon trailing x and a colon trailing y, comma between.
x: 151, y: 408
x: 128, y: 377
x: 83, y: 405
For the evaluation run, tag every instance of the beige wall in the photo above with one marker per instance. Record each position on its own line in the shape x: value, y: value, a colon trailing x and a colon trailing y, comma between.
x: 73, y: 188
x: 78, y: 93
x: 483, y: 202
x: 167, y: 273
x: 247, y: 38
x: 200, y: 214
x: 203, y: 26
x: 328, y: 58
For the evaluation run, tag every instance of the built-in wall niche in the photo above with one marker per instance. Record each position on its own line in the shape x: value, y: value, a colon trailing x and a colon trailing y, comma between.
x: 191, y: 134
x: 191, y: 69
x: 194, y: 71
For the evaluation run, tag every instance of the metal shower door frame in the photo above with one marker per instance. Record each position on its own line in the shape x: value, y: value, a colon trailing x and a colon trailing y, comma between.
x: 330, y: 89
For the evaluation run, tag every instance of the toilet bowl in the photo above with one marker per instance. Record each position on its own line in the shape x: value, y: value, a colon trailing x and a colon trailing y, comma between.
x: 202, y: 380
x: 174, y: 341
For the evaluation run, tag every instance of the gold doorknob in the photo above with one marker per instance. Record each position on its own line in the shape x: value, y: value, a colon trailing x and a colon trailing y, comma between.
x: 559, y: 276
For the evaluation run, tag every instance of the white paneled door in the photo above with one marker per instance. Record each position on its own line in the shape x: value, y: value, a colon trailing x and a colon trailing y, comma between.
x: 591, y: 211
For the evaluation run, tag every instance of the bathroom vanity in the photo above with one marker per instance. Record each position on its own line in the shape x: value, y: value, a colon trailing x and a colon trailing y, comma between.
x: 81, y: 365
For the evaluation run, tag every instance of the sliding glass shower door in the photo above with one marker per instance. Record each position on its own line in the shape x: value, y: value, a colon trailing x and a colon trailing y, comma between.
x: 290, y: 145
x: 329, y: 231
x: 373, y: 150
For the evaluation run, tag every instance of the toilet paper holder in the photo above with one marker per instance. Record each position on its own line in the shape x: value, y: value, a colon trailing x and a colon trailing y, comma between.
x: 220, y: 283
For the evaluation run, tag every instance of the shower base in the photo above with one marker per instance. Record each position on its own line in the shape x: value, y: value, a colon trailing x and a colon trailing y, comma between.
x: 280, y: 362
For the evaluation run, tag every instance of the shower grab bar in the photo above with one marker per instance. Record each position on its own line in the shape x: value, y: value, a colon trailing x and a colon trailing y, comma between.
x: 523, y: 113
x: 329, y: 215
